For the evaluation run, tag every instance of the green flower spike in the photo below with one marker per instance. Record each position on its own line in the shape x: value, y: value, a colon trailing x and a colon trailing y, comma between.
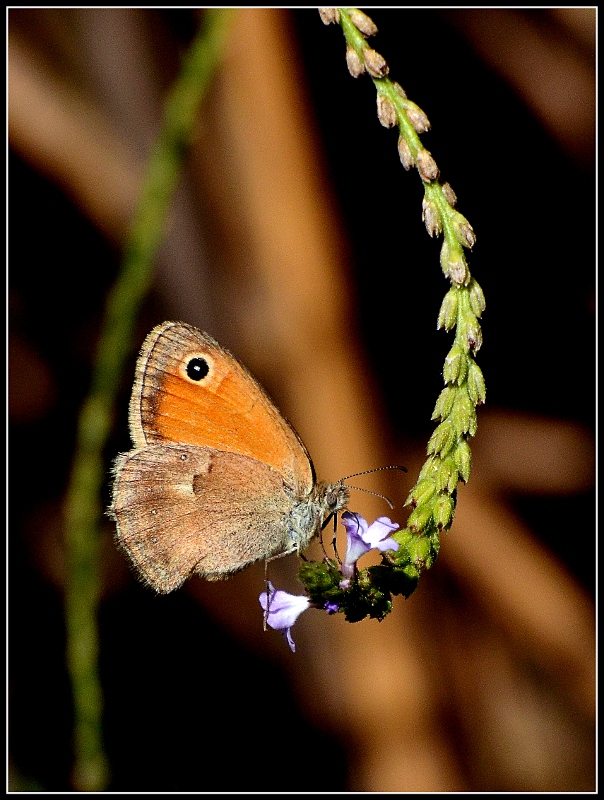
x: 432, y: 499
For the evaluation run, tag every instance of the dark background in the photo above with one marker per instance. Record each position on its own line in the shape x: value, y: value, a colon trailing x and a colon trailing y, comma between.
x: 532, y: 207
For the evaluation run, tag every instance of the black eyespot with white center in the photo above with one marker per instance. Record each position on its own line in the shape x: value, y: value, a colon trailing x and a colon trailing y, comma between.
x: 197, y: 369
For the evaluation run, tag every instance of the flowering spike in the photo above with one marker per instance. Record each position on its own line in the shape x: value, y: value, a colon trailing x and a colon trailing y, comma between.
x: 367, y: 592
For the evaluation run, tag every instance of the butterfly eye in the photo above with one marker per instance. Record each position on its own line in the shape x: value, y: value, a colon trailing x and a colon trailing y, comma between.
x: 197, y: 369
x: 331, y: 498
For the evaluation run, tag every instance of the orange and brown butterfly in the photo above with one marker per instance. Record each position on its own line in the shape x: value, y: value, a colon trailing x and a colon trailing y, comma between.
x: 217, y: 478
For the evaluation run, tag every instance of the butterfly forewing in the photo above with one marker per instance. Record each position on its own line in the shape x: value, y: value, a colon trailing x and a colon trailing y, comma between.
x: 226, y: 409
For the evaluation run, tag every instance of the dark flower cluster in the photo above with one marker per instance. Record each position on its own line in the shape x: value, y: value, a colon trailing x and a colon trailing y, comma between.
x: 339, y: 586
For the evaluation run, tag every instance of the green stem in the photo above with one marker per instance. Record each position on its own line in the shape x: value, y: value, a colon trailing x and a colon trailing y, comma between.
x: 433, y: 497
x: 83, y: 505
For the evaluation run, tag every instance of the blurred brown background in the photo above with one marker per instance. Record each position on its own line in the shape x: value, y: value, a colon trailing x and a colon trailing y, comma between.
x: 296, y: 239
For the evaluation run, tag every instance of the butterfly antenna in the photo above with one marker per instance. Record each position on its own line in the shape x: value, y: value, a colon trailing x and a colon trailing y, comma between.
x: 369, y: 472
x: 375, y: 494
x: 376, y: 469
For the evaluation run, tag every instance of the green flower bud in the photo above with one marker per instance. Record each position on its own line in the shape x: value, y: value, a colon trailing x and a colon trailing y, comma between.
x: 476, y: 386
x: 453, y: 481
x: 454, y: 264
x: 316, y: 576
x: 421, y: 492
x: 442, y: 440
x: 474, y: 335
x: 462, y: 456
x: 429, y: 470
x: 447, y: 316
x: 411, y: 571
x: 458, y: 270
x: 463, y: 229
x: 419, y: 518
x: 420, y: 551
x: 463, y: 415
x: 444, y: 404
x: 403, y: 537
x: 456, y: 365
x: 447, y: 475
x: 477, y: 302
x: 443, y: 512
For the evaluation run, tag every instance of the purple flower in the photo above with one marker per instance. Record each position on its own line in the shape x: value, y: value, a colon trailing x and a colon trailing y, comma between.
x: 361, y: 538
x: 283, y: 610
x: 331, y: 607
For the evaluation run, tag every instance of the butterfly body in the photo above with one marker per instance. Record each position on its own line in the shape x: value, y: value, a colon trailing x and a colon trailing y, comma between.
x: 217, y: 479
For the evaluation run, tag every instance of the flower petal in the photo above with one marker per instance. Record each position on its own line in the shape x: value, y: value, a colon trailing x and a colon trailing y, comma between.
x: 356, y: 547
x: 354, y: 522
x: 283, y: 610
x: 377, y: 534
x: 288, y: 636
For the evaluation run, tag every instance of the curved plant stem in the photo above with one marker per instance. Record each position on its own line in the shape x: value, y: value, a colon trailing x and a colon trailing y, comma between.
x: 83, y: 505
x: 449, y: 461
